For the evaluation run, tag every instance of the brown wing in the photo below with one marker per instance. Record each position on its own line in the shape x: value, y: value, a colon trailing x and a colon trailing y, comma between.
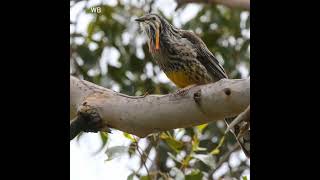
x: 206, y: 58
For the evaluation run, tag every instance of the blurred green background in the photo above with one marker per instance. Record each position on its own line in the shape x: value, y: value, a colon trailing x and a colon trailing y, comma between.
x: 109, y: 49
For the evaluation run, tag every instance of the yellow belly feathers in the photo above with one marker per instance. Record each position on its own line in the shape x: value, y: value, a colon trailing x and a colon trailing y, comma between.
x: 180, y: 78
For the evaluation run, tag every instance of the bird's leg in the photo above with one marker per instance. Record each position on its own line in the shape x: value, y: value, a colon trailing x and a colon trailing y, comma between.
x: 184, y: 91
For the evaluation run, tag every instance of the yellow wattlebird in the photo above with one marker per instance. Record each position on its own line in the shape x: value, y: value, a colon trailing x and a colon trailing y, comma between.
x: 183, y: 56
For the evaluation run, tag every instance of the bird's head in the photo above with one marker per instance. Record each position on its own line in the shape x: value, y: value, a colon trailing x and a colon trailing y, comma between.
x: 152, y: 24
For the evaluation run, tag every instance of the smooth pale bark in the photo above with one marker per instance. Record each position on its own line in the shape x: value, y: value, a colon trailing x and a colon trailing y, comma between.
x: 153, y: 113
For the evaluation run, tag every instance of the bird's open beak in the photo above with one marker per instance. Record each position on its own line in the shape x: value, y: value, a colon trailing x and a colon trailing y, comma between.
x: 141, y: 19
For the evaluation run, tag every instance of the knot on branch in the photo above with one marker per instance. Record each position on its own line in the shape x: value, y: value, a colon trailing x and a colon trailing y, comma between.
x: 91, y: 118
x: 197, y: 97
x: 87, y: 120
x: 227, y: 91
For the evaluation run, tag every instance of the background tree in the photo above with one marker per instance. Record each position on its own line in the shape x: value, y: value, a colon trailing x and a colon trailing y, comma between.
x: 113, y: 53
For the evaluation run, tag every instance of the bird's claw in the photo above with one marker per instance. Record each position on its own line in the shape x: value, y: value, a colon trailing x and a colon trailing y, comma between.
x: 184, y: 90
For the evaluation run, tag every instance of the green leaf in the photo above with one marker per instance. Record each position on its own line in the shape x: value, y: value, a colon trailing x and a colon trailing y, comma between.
x: 206, y: 159
x: 172, y: 143
x: 130, y: 137
x: 116, y: 151
x: 144, y: 178
x: 200, y: 149
x: 195, y: 144
x: 90, y: 30
x: 130, y: 177
x: 186, y: 160
x: 201, y: 127
x: 104, y: 137
x: 216, y: 150
x: 194, y: 175
x: 244, y: 178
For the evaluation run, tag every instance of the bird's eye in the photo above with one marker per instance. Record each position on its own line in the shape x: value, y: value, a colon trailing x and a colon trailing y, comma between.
x: 153, y: 18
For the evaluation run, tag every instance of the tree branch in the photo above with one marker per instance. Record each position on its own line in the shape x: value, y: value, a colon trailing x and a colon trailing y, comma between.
x: 102, y: 108
x: 244, y: 116
x: 240, y: 127
x: 243, y: 4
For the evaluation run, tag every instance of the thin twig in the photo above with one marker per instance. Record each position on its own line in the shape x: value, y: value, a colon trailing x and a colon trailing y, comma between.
x: 223, y: 159
x: 244, y: 116
x: 143, y: 162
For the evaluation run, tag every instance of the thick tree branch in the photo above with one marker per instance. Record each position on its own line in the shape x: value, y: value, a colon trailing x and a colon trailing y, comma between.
x: 243, y: 4
x: 153, y: 113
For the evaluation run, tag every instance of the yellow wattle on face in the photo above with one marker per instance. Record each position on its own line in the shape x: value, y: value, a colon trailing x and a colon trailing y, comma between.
x: 157, y: 39
x: 153, y: 47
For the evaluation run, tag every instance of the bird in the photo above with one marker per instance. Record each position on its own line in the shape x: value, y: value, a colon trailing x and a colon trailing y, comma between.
x: 180, y: 54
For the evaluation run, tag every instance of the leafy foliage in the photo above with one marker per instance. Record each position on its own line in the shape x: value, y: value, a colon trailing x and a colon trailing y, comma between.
x: 113, y: 53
